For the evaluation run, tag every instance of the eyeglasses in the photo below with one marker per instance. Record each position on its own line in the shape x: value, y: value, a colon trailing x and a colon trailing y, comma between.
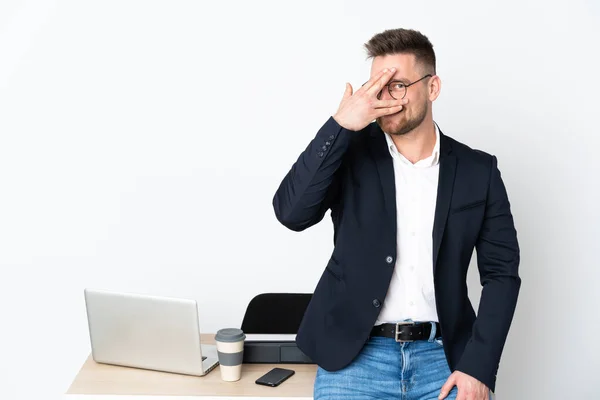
x: 398, y: 89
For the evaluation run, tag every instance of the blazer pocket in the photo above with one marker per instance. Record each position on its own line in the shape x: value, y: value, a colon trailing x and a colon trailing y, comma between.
x: 334, y: 269
x: 468, y: 206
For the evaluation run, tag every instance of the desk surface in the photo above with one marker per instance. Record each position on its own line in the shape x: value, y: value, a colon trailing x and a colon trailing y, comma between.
x: 108, y: 380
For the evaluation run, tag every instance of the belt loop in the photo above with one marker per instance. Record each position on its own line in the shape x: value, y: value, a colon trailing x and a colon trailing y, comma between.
x: 433, y: 332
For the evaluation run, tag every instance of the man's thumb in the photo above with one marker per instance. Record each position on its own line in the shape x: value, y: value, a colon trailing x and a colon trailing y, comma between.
x: 348, y: 91
x: 446, y: 388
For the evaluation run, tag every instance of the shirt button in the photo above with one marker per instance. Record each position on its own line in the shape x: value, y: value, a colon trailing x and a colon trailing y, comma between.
x: 376, y: 303
x: 389, y: 259
x: 412, y: 267
x: 413, y: 233
x: 412, y: 303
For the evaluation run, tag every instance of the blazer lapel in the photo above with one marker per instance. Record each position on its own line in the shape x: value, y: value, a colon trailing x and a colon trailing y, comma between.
x: 444, y: 194
x: 385, y: 168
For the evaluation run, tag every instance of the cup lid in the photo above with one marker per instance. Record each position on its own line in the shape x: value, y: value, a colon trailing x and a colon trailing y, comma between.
x: 230, y: 335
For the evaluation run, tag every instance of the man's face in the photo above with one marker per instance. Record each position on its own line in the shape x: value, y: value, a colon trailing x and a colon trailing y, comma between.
x: 414, y: 112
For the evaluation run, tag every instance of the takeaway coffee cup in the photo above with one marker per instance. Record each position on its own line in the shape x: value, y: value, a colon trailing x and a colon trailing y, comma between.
x: 230, y: 347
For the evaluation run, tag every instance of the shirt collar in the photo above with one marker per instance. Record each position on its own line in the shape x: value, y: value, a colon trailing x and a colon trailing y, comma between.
x: 432, y: 160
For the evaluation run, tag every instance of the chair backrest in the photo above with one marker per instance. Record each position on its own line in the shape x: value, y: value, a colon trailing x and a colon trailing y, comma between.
x: 275, y: 313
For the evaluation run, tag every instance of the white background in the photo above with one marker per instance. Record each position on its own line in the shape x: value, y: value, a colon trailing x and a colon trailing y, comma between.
x: 141, y: 143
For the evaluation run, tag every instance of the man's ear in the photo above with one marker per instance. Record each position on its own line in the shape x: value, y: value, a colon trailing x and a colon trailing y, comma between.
x: 435, y: 86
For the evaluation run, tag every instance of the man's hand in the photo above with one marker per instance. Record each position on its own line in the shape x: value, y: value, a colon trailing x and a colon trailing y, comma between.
x: 469, y: 388
x: 359, y: 109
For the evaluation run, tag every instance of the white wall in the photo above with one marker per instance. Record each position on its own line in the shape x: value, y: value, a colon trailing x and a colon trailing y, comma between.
x: 141, y: 143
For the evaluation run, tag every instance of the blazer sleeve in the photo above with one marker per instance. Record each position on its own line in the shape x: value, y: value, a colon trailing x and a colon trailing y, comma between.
x: 498, y: 263
x: 312, y: 185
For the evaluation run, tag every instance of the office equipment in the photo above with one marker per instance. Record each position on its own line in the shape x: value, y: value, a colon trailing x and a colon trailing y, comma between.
x: 149, y: 332
x: 275, y: 313
x: 270, y: 323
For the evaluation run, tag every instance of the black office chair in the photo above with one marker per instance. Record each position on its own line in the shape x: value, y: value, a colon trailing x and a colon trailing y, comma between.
x: 275, y: 313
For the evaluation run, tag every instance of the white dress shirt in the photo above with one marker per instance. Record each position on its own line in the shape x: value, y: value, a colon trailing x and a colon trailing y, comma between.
x: 411, y: 293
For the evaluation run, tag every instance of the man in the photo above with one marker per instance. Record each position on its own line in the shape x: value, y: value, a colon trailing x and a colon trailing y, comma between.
x: 390, y: 316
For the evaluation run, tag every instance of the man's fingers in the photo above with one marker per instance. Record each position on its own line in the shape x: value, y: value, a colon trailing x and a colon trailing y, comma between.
x: 388, y: 103
x: 380, y: 112
x: 447, y: 387
x: 374, y: 79
x: 358, y: 109
x: 381, y: 82
x: 385, y: 75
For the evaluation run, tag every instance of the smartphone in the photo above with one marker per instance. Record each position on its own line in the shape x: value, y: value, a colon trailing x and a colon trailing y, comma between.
x: 275, y: 376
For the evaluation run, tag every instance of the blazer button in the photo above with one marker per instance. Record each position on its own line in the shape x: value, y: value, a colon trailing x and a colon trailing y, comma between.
x: 376, y: 303
x: 389, y: 259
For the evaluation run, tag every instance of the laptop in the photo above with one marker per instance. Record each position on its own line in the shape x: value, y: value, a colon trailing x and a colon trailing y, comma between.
x: 149, y: 332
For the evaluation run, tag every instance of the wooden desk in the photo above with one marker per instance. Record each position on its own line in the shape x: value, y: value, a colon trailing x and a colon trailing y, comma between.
x: 108, y: 380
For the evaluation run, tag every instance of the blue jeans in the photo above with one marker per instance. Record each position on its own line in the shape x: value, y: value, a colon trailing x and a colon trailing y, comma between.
x: 386, y: 369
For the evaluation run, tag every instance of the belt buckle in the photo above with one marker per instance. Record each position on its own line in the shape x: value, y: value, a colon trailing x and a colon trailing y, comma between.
x: 398, y: 324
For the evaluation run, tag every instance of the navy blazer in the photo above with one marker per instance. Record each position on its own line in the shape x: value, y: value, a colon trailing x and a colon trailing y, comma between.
x: 351, y: 173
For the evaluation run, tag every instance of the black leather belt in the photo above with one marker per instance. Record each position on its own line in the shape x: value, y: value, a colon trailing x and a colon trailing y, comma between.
x: 406, y: 331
